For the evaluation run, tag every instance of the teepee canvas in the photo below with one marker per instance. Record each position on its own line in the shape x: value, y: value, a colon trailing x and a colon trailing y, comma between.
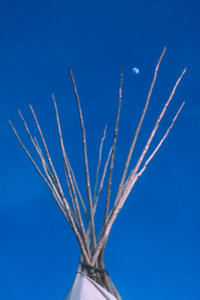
x: 83, y: 287
x: 92, y: 280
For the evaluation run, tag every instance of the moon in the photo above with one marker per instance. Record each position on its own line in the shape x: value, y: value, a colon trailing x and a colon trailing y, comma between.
x: 135, y: 70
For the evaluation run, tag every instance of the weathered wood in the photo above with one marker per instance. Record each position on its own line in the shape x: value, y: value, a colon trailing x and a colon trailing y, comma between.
x: 92, y: 246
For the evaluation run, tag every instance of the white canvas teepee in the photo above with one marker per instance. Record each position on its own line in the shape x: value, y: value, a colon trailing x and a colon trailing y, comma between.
x: 92, y: 281
x: 83, y: 287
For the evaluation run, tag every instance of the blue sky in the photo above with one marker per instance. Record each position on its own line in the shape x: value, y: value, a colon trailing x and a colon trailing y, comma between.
x: 153, y: 250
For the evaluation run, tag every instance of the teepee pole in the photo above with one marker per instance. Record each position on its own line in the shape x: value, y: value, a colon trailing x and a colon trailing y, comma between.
x: 111, y: 167
x: 113, y: 153
x: 102, y: 180
x: 71, y: 181
x: 130, y: 181
x: 54, y: 184
x: 86, y: 162
x: 160, y: 143
x: 104, y: 233
x: 92, y: 246
x: 98, y: 166
x: 138, y: 130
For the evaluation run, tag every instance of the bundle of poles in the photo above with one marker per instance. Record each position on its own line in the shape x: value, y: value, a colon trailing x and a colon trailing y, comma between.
x: 73, y: 207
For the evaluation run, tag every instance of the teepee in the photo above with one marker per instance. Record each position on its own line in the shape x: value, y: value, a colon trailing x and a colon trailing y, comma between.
x: 92, y: 280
